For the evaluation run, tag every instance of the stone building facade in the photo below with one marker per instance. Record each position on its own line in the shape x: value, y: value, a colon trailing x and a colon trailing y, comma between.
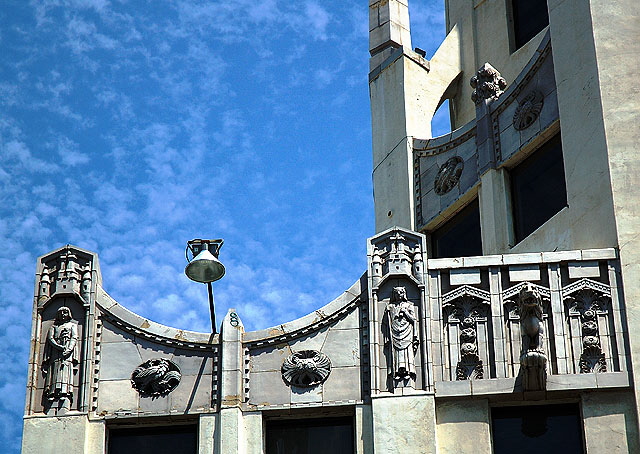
x: 501, y: 295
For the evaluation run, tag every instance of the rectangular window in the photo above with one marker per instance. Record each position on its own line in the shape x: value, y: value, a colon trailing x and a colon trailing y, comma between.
x: 310, y: 436
x: 552, y: 429
x: 177, y: 439
x: 460, y: 235
x: 529, y: 18
x: 538, y: 188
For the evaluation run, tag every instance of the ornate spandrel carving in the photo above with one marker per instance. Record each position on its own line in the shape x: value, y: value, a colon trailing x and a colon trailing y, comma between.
x: 306, y: 368
x: 467, y: 306
x: 448, y: 176
x: 528, y: 110
x: 487, y: 84
x: 156, y: 377
x: 60, y: 360
x: 533, y: 360
x: 585, y: 299
x: 402, y: 322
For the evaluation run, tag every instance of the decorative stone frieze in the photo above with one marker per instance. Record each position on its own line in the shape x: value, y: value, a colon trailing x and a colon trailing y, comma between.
x: 449, y: 175
x: 528, y: 110
x: 156, y: 377
x: 465, y: 307
x: 306, y: 368
x: 487, y: 84
x: 401, y: 318
x: 533, y: 360
x: 587, y: 301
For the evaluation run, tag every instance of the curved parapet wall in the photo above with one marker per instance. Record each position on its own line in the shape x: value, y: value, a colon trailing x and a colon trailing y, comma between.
x: 125, y: 365
x: 447, y: 169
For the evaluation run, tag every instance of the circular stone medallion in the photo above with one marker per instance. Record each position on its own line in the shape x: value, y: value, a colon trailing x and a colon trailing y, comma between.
x: 306, y: 368
x: 448, y: 175
x: 528, y: 111
x: 156, y: 377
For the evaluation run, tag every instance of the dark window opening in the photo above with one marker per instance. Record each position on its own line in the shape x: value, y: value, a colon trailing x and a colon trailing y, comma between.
x: 537, y: 428
x: 460, y: 236
x: 529, y: 18
x: 310, y: 436
x: 538, y: 188
x: 154, y: 440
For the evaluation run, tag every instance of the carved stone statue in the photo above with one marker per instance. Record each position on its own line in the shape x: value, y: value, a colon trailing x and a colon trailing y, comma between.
x: 533, y: 360
x: 60, y: 360
x: 487, y: 84
x: 403, y: 322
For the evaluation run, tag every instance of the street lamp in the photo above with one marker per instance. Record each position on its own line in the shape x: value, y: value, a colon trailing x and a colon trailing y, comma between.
x: 205, y: 267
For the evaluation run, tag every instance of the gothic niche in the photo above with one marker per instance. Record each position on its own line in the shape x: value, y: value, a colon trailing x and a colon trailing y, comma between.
x: 528, y: 110
x: 61, y: 359
x: 467, y: 306
x: 156, y: 377
x: 448, y: 175
x: 400, y: 317
x: 68, y: 271
x: 533, y: 361
x: 306, y: 368
x: 586, y: 300
x: 487, y: 84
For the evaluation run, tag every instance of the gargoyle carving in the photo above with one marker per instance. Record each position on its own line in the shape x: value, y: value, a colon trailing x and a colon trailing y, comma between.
x: 533, y: 360
x: 156, y: 377
x: 306, y: 368
x: 487, y: 84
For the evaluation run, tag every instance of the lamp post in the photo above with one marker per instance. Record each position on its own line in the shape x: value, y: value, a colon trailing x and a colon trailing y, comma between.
x: 205, y: 267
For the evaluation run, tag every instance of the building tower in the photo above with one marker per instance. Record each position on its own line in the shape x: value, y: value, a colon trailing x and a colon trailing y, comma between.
x: 502, y: 292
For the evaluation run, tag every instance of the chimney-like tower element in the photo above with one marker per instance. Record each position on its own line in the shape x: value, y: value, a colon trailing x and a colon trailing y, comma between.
x: 388, y: 28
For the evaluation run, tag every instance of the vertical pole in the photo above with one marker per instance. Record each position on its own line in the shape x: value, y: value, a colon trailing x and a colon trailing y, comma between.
x: 212, y: 308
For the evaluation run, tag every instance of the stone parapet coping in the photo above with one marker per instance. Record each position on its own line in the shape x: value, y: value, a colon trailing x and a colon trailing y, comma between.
x: 117, y: 314
x: 327, y: 314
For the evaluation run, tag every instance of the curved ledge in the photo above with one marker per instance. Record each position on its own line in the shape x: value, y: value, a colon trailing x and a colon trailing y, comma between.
x: 446, y: 142
x: 326, y: 315
x: 115, y: 313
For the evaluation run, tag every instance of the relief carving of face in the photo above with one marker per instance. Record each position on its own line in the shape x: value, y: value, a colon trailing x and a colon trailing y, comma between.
x: 63, y: 315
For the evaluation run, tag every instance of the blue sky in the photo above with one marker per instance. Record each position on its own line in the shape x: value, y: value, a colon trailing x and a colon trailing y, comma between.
x: 130, y: 127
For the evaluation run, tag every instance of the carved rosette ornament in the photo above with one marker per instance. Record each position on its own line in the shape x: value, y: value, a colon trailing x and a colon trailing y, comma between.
x: 306, y: 368
x: 528, y: 111
x: 533, y: 360
x: 487, y: 84
x: 156, y: 377
x: 449, y: 175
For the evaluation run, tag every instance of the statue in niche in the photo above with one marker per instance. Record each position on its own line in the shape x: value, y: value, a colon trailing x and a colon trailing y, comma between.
x: 402, y: 321
x: 533, y: 360
x: 60, y: 360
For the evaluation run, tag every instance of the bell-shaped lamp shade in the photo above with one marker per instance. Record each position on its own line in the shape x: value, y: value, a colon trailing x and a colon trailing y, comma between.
x: 205, y: 267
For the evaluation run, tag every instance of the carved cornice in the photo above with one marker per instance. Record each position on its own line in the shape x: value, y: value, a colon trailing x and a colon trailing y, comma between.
x: 466, y: 290
x: 587, y: 284
x: 167, y: 341
x: 512, y: 292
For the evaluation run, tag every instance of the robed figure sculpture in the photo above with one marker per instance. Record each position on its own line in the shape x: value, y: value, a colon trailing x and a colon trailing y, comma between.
x: 60, y: 361
x: 402, y: 322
